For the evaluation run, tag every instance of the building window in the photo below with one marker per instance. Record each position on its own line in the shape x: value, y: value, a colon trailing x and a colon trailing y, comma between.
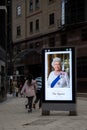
x: 51, y: 19
x: 82, y: 67
x: 18, y: 9
x: 51, y: 1
x: 74, y: 11
x: 51, y: 41
x: 84, y: 34
x: 18, y: 30
x: 37, y: 4
x: 31, y: 5
x: 37, y: 24
x: 31, y: 27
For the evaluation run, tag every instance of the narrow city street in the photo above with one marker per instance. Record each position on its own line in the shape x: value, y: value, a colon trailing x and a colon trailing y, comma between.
x: 14, y: 116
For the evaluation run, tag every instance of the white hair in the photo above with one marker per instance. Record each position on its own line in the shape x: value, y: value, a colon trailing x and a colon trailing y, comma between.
x: 56, y: 59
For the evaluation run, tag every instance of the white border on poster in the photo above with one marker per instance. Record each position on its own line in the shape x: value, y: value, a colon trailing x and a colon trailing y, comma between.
x: 58, y: 94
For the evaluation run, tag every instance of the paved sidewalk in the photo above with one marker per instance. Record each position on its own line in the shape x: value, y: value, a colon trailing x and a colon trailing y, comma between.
x: 13, y: 116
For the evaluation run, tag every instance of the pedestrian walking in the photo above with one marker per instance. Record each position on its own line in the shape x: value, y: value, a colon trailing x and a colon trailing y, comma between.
x: 38, y: 92
x: 29, y: 89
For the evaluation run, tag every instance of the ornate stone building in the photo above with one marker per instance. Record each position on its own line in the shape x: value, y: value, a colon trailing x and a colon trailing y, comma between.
x: 34, y: 25
x: 38, y: 24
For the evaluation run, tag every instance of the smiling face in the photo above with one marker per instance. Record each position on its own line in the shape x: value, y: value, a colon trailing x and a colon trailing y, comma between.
x: 57, y: 66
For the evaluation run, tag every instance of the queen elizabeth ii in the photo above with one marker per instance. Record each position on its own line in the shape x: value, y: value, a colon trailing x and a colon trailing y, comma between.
x: 57, y: 78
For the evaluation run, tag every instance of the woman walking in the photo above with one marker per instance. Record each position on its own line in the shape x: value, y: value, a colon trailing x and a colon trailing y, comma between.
x: 29, y: 89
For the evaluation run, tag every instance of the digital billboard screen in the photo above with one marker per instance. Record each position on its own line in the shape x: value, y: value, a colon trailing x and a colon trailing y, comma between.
x: 59, y: 74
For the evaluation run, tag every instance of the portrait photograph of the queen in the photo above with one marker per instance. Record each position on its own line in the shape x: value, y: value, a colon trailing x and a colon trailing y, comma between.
x: 58, y: 77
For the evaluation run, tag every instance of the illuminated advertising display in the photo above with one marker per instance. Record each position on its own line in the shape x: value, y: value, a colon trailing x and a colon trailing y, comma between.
x: 59, y: 74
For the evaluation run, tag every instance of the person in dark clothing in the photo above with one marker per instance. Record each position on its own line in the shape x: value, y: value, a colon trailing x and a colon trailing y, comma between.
x: 38, y: 92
